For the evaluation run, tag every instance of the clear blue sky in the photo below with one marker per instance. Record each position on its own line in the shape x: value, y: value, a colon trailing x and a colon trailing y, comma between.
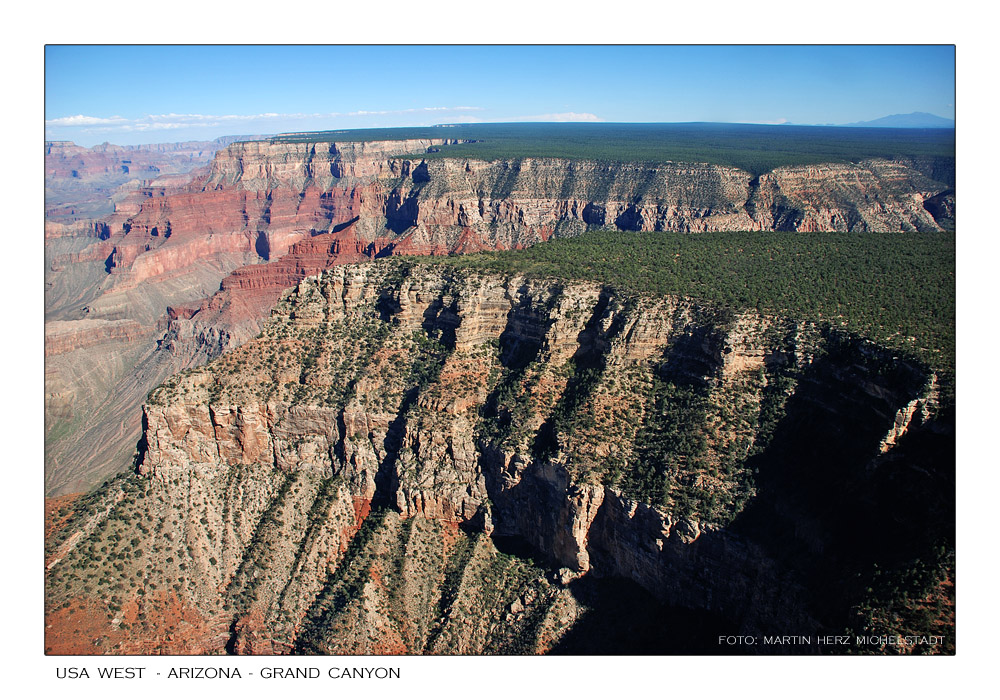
x: 136, y: 94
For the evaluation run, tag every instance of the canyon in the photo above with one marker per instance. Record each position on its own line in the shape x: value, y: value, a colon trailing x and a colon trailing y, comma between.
x: 272, y: 429
x: 188, y: 264
x: 87, y: 182
x: 415, y: 458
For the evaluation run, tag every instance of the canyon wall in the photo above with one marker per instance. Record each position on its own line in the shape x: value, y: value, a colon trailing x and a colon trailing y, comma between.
x: 64, y: 159
x: 304, y: 207
x: 520, y: 407
x: 198, y: 260
x: 86, y: 183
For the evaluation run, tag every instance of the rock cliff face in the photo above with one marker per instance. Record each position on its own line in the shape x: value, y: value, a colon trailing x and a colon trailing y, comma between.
x: 739, y: 467
x: 518, y: 202
x: 547, y: 195
x: 66, y: 336
x: 198, y: 262
x: 361, y: 200
x: 64, y: 159
x: 83, y: 183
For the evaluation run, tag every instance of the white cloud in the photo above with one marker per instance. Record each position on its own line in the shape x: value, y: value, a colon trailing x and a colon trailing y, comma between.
x: 152, y: 126
x: 265, y: 121
x: 154, y: 122
x: 81, y: 120
x: 200, y: 119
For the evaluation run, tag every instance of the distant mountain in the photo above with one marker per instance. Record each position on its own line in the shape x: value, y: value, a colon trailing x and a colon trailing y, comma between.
x: 913, y: 120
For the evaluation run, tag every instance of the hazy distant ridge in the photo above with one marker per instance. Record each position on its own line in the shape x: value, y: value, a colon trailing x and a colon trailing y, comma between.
x: 913, y: 120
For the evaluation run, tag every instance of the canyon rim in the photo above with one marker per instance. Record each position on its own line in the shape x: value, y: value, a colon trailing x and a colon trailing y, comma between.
x: 502, y: 389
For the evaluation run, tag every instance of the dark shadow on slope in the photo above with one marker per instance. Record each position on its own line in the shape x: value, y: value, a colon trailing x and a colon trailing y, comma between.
x: 942, y: 207
x: 421, y: 174
x: 141, y: 446
x: 830, y: 509
x: 517, y: 546
x: 623, y: 618
x: 520, y: 344
x: 233, y: 637
x: 441, y: 322
x: 344, y: 224
x: 670, y: 442
x: 386, y: 479
x: 695, y: 356
x: 344, y: 584
x: 401, y: 214
x: 589, y: 362
x: 261, y: 245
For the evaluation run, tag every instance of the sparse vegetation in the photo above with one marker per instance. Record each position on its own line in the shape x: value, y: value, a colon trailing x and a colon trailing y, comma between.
x: 396, y: 388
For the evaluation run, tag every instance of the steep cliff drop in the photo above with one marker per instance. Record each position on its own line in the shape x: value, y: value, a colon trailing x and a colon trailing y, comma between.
x: 418, y: 459
x: 191, y: 265
x: 82, y: 183
x: 170, y: 244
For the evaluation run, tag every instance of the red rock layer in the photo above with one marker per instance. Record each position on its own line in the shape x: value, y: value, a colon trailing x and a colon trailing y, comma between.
x: 249, y: 292
x: 64, y: 159
x: 170, y: 232
x: 66, y: 336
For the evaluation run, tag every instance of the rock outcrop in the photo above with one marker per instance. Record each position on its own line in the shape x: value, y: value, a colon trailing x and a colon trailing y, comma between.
x: 357, y: 200
x: 343, y: 482
x: 368, y: 470
x: 83, y: 183
x: 218, y: 246
x: 64, y: 159
x: 533, y: 411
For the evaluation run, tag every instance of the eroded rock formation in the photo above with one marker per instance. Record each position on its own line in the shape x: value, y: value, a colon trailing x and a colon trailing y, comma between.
x: 197, y: 263
x: 724, y: 463
x: 83, y: 183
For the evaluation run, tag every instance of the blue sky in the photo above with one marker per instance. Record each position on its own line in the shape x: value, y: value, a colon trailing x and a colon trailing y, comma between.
x: 148, y: 94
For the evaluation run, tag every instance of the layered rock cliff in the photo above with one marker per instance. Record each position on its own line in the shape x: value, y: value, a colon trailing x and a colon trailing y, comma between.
x: 356, y: 201
x: 83, y: 183
x: 198, y: 264
x: 740, y: 467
